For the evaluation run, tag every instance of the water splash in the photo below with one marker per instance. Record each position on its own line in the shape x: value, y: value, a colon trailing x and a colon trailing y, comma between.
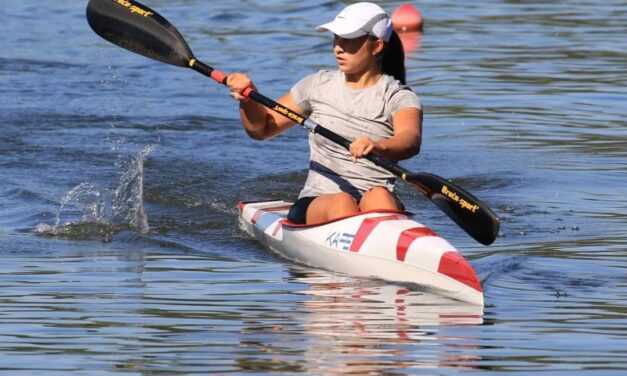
x: 104, y: 212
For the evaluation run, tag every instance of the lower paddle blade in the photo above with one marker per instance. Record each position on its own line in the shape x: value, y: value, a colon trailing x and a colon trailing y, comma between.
x: 472, y: 215
x: 137, y: 28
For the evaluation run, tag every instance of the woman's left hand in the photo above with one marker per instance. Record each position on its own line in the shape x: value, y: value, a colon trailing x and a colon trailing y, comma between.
x: 361, y: 147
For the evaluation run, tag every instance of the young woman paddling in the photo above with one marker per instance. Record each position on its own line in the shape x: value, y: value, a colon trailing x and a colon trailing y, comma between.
x: 365, y: 100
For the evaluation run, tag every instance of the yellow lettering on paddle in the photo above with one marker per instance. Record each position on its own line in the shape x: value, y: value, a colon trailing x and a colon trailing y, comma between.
x: 289, y: 114
x: 134, y: 8
x: 455, y: 197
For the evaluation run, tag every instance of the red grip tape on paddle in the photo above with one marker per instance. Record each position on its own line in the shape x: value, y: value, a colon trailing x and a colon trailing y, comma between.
x: 220, y: 77
x: 247, y: 91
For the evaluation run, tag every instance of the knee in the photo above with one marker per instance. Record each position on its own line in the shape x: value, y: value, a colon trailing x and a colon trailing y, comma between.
x: 328, y: 207
x: 344, y: 201
x: 378, y: 198
x: 377, y: 193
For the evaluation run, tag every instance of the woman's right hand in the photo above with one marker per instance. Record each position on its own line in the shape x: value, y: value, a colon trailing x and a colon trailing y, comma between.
x: 238, y: 83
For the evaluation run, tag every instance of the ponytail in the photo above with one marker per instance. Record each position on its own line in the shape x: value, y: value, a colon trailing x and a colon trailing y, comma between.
x: 393, y: 59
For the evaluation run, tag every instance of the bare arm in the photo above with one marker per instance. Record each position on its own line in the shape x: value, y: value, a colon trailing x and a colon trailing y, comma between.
x: 404, y: 144
x: 259, y: 122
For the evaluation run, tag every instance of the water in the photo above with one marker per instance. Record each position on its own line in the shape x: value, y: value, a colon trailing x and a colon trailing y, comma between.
x: 120, y: 177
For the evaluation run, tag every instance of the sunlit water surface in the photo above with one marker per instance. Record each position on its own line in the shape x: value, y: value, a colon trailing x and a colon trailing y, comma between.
x: 120, y: 179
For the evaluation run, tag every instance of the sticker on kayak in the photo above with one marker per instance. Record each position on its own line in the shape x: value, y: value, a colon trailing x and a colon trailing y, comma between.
x: 340, y: 240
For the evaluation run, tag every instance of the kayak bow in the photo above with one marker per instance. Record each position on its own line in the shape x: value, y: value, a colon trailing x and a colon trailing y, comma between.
x: 385, y: 244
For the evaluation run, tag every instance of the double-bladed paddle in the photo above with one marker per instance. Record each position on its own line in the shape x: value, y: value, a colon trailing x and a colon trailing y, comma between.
x: 139, y: 29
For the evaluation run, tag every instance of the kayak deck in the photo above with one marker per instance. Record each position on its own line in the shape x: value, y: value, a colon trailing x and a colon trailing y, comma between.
x: 383, y: 244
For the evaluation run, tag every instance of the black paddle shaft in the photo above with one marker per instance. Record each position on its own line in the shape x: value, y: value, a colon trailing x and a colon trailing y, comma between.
x: 139, y: 29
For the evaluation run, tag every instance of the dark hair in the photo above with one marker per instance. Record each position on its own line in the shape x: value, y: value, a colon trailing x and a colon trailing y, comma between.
x: 393, y: 59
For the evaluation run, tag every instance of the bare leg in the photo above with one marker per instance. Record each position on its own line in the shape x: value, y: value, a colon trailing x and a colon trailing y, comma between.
x: 378, y: 198
x: 331, y: 206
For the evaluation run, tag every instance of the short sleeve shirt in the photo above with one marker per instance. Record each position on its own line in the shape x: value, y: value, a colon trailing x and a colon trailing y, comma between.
x: 351, y: 113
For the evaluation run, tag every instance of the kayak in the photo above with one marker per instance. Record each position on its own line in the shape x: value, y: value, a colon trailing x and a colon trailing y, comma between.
x: 383, y: 244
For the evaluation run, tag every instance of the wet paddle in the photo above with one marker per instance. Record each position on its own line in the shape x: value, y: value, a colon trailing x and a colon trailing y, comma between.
x: 139, y: 29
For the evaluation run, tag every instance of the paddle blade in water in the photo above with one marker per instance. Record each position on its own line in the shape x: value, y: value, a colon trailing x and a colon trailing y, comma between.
x: 472, y: 215
x: 137, y: 28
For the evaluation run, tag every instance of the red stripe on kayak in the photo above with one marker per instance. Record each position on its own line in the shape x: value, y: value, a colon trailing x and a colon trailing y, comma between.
x: 240, y: 206
x: 256, y: 215
x: 294, y: 225
x: 407, y: 237
x: 278, y: 208
x: 453, y: 265
x: 367, y: 226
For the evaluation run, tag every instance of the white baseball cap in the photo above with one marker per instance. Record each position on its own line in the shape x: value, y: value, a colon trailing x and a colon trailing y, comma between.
x: 360, y: 19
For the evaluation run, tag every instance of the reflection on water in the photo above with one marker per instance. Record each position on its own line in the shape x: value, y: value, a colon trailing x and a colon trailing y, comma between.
x: 346, y: 300
x: 195, y: 314
x: 524, y: 107
x: 411, y: 41
x: 361, y: 326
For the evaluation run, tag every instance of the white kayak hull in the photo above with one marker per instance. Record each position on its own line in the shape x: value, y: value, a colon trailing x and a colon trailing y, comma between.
x: 382, y: 244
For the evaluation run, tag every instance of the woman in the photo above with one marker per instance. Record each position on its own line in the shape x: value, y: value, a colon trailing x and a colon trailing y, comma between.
x: 365, y: 100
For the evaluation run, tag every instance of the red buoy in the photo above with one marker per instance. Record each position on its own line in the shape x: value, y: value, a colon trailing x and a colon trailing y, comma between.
x: 407, y: 18
x: 408, y: 24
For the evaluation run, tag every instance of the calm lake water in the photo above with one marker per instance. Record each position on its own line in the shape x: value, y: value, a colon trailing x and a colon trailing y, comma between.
x: 120, y: 178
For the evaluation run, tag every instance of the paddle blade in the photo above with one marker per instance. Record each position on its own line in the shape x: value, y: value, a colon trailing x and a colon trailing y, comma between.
x: 137, y: 28
x: 472, y: 215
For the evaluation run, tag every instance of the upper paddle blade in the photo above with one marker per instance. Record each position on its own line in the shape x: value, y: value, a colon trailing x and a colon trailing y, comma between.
x: 137, y: 28
x: 472, y: 215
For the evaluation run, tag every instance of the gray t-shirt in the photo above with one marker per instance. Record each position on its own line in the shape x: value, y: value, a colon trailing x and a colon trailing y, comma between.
x: 351, y: 113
